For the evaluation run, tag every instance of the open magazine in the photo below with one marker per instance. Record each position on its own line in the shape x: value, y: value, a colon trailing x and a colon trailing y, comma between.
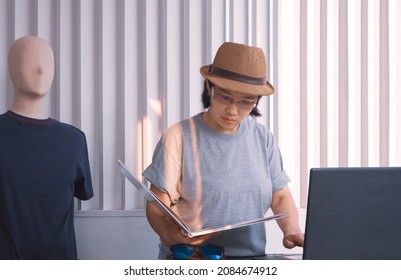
x: 169, y: 212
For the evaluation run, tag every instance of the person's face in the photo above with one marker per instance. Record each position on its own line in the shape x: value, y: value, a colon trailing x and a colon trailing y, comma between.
x: 228, y: 109
x: 31, y: 66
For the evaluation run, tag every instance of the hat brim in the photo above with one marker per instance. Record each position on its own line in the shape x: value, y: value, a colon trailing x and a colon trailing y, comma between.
x: 236, y: 86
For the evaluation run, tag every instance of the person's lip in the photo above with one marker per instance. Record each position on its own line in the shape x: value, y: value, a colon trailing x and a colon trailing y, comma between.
x: 229, y: 120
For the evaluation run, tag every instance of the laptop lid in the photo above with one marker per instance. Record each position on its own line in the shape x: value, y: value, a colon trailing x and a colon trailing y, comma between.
x: 169, y: 212
x: 152, y: 197
x: 353, y: 213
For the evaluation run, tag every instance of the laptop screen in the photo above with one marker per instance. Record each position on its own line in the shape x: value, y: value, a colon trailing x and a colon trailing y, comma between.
x: 353, y: 213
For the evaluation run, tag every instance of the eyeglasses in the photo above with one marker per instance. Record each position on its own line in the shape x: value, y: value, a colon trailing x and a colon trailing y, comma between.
x: 207, y: 251
x: 224, y: 99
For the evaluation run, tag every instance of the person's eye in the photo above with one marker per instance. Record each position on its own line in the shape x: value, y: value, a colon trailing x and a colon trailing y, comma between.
x: 246, y: 103
x: 224, y: 97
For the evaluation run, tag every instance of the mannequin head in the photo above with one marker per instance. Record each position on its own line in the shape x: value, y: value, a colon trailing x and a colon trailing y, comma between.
x: 31, y: 66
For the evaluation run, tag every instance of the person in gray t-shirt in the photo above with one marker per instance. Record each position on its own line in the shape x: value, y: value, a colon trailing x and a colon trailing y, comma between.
x: 222, y: 166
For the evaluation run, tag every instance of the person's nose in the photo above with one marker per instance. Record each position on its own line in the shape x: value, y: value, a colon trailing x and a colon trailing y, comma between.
x: 232, y: 109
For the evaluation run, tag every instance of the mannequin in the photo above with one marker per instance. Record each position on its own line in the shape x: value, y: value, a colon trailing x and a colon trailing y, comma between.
x: 44, y: 163
x: 31, y: 69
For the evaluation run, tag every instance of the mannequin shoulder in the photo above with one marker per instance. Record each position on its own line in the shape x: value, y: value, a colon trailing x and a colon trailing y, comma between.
x: 71, y: 130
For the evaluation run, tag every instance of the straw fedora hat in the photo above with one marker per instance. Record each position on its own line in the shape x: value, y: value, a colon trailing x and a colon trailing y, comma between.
x: 239, y: 68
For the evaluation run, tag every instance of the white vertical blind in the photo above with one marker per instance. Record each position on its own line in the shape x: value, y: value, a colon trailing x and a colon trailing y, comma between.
x: 128, y: 69
x: 394, y: 82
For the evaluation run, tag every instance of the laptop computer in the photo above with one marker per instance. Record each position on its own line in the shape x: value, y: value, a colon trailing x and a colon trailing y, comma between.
x: 353, y: 213
x: 169, y: 212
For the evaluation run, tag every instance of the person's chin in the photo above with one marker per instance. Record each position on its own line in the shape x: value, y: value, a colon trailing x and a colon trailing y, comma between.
x: 228, y: 128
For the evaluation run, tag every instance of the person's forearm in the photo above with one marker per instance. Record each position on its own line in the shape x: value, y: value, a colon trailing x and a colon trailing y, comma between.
x: 156, y: 220
x: 285, y: 203
x: 168, y: 230
x: 290, y: 223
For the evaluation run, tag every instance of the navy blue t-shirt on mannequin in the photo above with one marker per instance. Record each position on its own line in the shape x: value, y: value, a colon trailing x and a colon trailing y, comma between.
x: 43, y: 166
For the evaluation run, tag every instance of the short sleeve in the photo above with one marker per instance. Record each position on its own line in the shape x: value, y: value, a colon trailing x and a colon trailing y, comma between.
x: 83, y: 181
x: 278, y: 175
x: 165, y: 170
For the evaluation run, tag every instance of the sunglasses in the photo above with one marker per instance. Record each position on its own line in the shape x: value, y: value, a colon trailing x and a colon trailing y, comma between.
x: 186, y: 251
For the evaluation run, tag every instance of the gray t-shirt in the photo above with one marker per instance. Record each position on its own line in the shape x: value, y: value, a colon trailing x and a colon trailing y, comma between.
x: 215, y: 179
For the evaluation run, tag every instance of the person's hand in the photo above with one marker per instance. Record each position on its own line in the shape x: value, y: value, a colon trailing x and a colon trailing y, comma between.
x: 173, y: 235
x: 293, y: 239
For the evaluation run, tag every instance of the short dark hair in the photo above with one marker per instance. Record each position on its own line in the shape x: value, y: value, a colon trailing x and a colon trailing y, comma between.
x: 206, y: 99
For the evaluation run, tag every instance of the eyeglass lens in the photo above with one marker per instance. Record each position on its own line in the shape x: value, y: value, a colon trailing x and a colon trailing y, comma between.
x: 222, y: 98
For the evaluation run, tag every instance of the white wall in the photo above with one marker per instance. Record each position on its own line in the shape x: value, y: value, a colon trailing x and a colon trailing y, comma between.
x: 115, y: 235
x: 128, y: 69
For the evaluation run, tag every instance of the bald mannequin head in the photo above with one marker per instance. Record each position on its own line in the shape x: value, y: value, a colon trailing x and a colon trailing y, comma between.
x: 31, y: 65
x: 31, y: 69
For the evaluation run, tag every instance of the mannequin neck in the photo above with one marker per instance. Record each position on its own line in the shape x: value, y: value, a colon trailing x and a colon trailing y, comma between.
x: 29, y: 106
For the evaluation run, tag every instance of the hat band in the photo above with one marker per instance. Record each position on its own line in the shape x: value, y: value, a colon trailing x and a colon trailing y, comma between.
x: 235, y: 76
